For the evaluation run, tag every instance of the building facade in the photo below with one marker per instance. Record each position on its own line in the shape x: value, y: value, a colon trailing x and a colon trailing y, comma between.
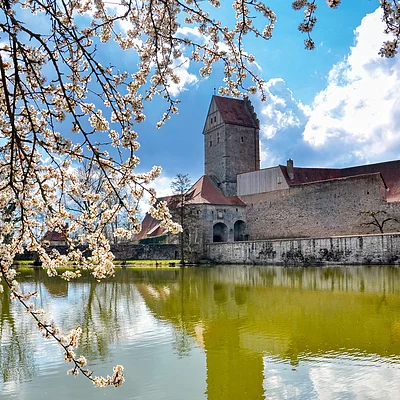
x: 236, y: 200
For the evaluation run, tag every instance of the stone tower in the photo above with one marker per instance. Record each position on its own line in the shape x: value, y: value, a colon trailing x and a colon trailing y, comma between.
x: 231, y: 141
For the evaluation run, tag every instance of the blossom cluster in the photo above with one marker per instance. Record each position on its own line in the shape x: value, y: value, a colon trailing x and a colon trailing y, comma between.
x: 68, y: 124
x: 391, y: 18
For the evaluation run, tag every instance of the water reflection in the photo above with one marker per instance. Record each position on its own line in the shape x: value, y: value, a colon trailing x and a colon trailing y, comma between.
x: 264, y: 332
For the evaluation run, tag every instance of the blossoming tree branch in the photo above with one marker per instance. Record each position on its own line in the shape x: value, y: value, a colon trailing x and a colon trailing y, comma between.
x: 59, y: 107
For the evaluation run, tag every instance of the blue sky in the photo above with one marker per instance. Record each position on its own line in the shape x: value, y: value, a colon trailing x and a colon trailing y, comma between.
x: 336, y: 106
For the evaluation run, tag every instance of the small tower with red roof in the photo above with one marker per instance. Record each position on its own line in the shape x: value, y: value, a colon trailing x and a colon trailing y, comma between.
x: 231, y: 141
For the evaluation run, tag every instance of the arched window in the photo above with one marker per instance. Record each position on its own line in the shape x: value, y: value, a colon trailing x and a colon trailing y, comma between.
x: 220, y: 232
x: 239, y: 231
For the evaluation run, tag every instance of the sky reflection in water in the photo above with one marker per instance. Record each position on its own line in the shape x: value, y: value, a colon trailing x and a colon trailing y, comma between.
x: 214, y: 333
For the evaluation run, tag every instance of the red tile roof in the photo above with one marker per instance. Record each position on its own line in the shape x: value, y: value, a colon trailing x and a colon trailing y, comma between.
x: 150, y: 228
x: 53, y: 236
x: 205, y: 191
x: 234, y: 111
x: 390, y: 172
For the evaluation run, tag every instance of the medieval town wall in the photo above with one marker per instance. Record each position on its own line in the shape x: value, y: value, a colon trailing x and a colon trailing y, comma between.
x: 320, y: 209
x: 125, y: 251
x: 381, y: 249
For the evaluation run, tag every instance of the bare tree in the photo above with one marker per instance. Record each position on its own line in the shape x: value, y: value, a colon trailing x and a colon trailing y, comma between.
x: 180, y: 185
x: 377, y: 218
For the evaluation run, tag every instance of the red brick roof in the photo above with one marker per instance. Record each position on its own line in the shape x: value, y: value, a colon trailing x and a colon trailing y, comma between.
x: 234, y: 111
x: 390, y: 172
x: 204, y: 191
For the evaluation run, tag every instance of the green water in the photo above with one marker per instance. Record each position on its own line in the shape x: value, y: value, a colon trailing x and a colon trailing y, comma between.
x: 222, y: 333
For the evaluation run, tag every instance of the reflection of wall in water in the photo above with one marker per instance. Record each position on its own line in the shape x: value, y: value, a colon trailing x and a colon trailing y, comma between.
x: 289, y: 314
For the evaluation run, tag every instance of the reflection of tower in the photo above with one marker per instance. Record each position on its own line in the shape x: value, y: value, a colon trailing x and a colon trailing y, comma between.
x: 231, y: 141
x: 233, y: 373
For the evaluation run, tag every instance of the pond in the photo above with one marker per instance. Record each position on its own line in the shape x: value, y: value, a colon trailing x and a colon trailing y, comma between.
x: 220, y: 333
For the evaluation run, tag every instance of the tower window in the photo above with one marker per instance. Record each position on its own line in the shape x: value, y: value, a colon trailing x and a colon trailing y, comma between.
x: 211, y: 120
x: 210, y: 143
x: 215, y: 119
x: 241, y: 139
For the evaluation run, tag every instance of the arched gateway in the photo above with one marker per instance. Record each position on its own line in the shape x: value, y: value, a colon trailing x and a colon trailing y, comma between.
x: 239, y: 232
x: 220, y: 232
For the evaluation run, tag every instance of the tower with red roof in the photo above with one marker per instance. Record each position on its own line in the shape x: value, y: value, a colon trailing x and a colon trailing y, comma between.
x: 231, y: 141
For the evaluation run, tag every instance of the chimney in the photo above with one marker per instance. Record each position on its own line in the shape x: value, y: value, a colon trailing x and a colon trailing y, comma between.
x: 290, y: 169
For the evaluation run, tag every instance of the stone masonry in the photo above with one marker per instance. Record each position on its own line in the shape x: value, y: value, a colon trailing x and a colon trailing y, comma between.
x: 368, y: 249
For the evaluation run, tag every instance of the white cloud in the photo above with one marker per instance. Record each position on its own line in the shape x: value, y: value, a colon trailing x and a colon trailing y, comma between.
x: 360, y: 107
x: 181, y: 69
x: 354, y: 120
x: 279, y: 111
x: 282, y: 120
x: 162, y: 186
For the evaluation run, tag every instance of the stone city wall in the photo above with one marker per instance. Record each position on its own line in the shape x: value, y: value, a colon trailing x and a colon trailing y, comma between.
x: 328, y: 208
x: 127, y: 252
x: 368, y: 249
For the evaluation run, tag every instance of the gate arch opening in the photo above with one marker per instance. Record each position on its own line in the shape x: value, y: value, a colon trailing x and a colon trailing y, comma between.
x: 220, y: 232
x: 239, y: 231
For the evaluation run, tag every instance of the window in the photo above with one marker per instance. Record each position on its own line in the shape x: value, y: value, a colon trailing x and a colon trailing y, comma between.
x: 215, y: 119
x: 241, y: 139
x: 210, y: 143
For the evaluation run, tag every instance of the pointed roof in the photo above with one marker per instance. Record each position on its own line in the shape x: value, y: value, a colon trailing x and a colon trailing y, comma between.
x: 205, y: 191
x: 235, y: 111
x: 150, y: 228
x: 54, y: 236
